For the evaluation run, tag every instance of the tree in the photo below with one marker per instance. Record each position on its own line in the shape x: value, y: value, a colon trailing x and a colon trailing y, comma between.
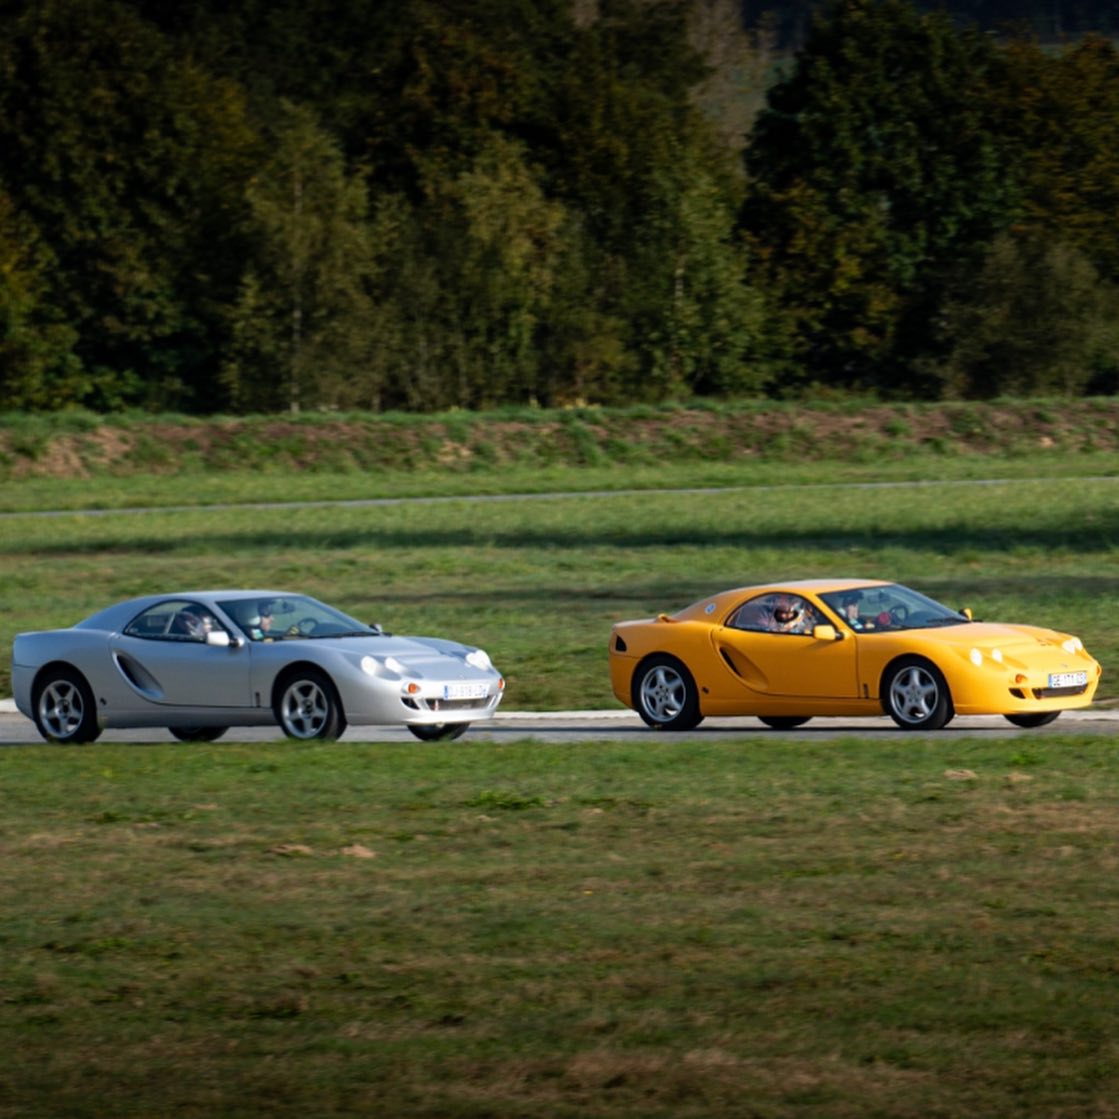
x: 1037, y: 321
x: 127, y: 160
x: 877, y: 175
x: 37, y: 367
x: 303, y: 325
x: 1063, y: 112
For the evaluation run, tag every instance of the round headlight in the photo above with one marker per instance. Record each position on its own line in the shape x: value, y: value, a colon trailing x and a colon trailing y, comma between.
x: 976, y: 657
x: 479, y: 658
x: 369, y: 666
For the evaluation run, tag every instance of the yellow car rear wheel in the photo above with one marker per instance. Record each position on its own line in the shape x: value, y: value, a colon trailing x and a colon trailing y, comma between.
x: 664, y: 694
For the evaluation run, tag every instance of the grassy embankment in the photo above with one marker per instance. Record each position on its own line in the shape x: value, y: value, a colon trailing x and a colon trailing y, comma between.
x: 85, y: 461
x: 538, y: 582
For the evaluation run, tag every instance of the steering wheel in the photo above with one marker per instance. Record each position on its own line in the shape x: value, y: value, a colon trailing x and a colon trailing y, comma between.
x: 899, y: 614
x: 303, y: 628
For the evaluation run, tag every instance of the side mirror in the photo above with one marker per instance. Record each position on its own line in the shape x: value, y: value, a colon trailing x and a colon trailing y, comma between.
x: 219, y: 638
x: 966, y: 612
x: 826, y: 633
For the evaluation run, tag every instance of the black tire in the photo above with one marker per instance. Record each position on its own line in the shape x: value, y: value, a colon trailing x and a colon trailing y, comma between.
x: 915, y: 695
x: 438, y: 732
x: 1040, y: 719
x: 784, y: 722
x: 198, y: 734
x: 307, y: 706
x: 664, y: 694
x: 65, y: 710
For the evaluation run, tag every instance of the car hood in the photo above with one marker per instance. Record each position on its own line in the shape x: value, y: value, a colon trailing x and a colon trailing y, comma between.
x: 991, y: 635
x: 388, y: 645
x: 415, y: 653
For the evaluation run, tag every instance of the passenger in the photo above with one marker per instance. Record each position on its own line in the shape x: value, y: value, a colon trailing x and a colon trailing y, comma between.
x: 188, y: 624
x: 793, y: 615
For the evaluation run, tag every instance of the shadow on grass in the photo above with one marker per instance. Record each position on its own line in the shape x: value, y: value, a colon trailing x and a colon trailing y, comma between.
x: 1100, y: 536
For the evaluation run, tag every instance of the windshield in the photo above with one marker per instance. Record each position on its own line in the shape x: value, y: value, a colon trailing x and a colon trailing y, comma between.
x: 890, y: 607
x: 292, y: 617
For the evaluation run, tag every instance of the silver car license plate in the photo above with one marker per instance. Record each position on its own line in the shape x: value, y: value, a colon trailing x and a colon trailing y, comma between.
x: 464, y: 691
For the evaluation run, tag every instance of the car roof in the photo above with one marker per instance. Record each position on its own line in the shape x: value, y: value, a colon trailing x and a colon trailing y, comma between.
x: 724, y: 599
x: 120, y: 613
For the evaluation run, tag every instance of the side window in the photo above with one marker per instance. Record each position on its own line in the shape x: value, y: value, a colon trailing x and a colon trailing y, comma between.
x: 173, y: 621
x: 776, y: 613
x: 757, y: 614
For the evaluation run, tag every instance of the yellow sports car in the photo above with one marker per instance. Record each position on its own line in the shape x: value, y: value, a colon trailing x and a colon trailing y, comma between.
x: 788, y: 651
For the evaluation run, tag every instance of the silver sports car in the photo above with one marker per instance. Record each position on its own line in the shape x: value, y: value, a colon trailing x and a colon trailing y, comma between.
x: 201, y: 662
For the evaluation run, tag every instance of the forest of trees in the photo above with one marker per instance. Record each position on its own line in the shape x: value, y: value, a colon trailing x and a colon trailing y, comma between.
x: 788, y: 21
x: 254, y: 205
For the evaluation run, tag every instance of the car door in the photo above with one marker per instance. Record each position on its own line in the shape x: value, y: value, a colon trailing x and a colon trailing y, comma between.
x: 790, y: 663
x: 167, y: 665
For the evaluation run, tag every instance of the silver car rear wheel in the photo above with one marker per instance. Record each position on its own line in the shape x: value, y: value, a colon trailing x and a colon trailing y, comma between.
x: 307, y: 707
x: 64, y: 708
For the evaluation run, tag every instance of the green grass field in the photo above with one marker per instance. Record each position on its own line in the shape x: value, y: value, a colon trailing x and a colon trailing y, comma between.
x: 778, y: 928
x: 697, y: 927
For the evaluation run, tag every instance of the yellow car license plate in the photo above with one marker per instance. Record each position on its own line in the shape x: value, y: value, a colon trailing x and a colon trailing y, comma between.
x: 1067, y: 679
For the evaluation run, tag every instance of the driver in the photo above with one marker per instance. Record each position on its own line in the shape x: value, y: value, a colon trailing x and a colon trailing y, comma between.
x: 850, y: 610
x: 265, y: 621
x: 256, y: 620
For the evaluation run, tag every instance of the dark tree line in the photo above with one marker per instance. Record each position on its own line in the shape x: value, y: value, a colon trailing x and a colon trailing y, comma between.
x: 788, y: 21
x: 424, y: 204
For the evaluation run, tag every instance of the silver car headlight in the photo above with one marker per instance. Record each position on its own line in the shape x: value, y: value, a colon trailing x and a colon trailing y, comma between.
x: 479, y: 659
x: 382, y: 666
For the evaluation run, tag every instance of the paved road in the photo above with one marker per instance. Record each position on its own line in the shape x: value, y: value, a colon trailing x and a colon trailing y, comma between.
x: 613, y: 726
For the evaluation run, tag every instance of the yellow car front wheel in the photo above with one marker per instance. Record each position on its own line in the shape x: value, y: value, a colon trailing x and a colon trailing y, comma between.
x: 915, y: 695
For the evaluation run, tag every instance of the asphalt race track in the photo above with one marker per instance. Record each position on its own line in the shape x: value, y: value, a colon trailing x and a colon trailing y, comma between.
x: 614, y: 725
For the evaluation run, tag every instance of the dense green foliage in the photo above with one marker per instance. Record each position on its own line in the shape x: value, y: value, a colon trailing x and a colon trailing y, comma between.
x: 931, y: 208
x: 281, y: 204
